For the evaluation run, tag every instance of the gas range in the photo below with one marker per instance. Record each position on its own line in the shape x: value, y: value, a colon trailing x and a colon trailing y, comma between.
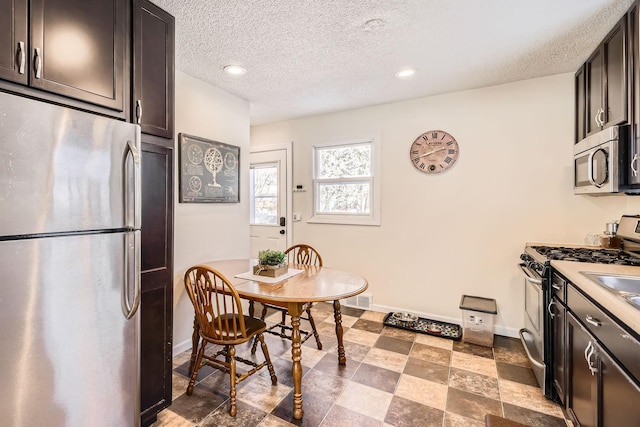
x: 537, y: 257
x: 536, y: 336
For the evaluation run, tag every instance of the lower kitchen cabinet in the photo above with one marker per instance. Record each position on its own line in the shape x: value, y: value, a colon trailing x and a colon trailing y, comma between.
x: 619, y: 395
x: 601, y: 391
x: 559, y: 323
x: 583, y: 394
x: 156, y: 307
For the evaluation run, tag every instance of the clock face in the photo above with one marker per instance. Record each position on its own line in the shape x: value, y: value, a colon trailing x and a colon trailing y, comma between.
x: 434, y: 151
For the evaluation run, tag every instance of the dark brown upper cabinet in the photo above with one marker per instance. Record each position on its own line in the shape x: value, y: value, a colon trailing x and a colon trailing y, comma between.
x: 580, y: 104
x: 13, y: 40
x: 74, y: 48
x: 153, y: 69
x: 606, y: 82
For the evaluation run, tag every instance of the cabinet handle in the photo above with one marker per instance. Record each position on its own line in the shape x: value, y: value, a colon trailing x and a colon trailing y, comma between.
x: 633, y: 162
x: 588, y: 352
x: 21, y: 57
x: 595, y: 322
x: 549, y: 309
x: 599, y: 117
x: 138, y: 111
x: 37, y: 59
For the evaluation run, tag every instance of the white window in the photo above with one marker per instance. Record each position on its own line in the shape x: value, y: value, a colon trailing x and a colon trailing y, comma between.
x: 264, y: 194
x: 346, y: 182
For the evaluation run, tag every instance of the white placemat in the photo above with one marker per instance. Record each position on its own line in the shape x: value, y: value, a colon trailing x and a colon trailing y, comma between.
x: 266, y: 279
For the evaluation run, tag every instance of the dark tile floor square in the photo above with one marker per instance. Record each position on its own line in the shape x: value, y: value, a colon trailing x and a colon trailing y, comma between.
x: 394, y: 344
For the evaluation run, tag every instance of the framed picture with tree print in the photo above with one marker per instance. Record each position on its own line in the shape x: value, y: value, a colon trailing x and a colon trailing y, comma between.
x: 209, y: 171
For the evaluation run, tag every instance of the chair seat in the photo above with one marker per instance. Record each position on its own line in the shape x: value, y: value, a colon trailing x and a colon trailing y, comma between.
x: 252, y: 325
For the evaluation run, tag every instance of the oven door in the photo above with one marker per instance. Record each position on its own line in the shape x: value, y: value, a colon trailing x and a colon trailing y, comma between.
x: 532, y: 335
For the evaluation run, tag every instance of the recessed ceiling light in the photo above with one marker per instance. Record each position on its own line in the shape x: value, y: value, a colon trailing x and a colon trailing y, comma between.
x: 374, y: 24
x: 405, y: 73
x: 235, y: 70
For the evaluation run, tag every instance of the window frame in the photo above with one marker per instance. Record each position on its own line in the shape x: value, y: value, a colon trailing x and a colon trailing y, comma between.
x: 373, y: 217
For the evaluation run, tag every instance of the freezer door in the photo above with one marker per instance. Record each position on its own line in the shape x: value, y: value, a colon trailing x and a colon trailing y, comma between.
x: 68, y: 353
x: 65, y: 170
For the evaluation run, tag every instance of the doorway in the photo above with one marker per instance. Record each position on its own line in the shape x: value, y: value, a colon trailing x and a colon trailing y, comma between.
x: 270, y: 190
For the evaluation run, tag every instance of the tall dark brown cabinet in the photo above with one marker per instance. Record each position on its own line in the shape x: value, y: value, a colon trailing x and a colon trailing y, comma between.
x: 152, y: 109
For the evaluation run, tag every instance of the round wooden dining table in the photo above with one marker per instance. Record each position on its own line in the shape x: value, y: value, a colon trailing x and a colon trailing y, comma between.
x: 313, y: 284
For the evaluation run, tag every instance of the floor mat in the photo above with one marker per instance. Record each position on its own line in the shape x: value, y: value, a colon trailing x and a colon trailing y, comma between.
x: 426, y: 326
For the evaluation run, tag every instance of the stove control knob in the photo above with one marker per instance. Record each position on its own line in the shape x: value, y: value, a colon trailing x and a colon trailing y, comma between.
x: 526, y: 257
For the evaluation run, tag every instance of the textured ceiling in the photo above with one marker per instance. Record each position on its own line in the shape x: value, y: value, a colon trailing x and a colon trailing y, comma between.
x: 317, y: 56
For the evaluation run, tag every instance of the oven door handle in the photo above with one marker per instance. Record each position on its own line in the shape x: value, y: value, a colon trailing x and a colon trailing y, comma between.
x: 533, y: 361
x: 529, y: 275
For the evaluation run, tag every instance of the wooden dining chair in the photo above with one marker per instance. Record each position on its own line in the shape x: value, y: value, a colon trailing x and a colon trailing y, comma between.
x: 296, y: 254
x: 220, y: 320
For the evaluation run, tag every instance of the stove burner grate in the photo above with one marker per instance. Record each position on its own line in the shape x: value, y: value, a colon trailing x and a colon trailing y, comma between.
x: 598, y: 256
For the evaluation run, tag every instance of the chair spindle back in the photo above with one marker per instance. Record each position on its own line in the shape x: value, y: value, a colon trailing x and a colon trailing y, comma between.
x: 216, y: 303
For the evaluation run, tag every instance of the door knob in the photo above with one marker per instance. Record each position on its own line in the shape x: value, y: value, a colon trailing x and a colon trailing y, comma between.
x: 282, y: 231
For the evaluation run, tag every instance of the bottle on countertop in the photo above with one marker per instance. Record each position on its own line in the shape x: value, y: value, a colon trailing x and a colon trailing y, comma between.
x: 609, y: 240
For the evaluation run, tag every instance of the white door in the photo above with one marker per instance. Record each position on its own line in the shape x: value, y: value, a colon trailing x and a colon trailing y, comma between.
x: 270, y: 189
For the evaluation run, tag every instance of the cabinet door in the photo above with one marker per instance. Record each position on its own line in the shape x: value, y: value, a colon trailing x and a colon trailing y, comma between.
x: 156, y: 307
x: 559, y: 349
x: 13, y: 40
x: 78, y: 49
x: 633, y: 177
x: 153, y: 66
x: 582, y: 391
x: 620, y: 395
x: 580, y: 104
x: 594, y: 77
x: 615, y: 75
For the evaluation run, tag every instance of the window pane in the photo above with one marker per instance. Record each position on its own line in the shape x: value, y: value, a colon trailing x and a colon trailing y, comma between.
x: 345, y: 161
x: 265, y: 181
x: 265, y: 210
x: 264, y: 194
x: 352, y: 198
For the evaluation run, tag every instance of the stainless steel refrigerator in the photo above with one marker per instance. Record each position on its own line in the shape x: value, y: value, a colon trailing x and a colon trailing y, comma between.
x: 69, y: 267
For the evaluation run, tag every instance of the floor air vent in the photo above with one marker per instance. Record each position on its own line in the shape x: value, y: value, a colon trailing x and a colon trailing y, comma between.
x: 359, y: 301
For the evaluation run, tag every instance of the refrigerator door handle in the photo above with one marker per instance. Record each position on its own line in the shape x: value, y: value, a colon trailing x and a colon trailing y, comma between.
x: 135, y: 210
x: 131, y: 265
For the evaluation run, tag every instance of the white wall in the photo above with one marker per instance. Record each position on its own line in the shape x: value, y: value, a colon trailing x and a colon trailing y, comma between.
x: 207, y: 232
x: 460, y: 232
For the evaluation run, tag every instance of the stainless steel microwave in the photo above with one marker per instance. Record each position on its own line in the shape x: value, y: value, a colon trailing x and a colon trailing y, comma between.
x: 597, y: 159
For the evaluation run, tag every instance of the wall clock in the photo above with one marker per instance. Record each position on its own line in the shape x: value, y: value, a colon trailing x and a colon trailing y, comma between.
x: 434, y: 151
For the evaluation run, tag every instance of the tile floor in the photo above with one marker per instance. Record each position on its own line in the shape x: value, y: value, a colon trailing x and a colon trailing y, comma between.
x: 392, y: 377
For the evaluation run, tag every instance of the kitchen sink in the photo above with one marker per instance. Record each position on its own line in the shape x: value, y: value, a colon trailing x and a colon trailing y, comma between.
x: 627, y: 287
x: 633, y: 300
x: 630, y: 284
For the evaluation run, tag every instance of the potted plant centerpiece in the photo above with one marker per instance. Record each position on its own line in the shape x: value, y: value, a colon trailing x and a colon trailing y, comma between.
x: 271, y: 263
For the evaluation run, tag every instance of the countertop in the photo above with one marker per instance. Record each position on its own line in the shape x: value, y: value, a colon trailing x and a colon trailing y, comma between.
x: 625, y: 312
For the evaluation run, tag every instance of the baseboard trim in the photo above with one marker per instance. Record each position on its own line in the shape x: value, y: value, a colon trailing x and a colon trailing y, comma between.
x: 497, y: 329
x: 181, y: 347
